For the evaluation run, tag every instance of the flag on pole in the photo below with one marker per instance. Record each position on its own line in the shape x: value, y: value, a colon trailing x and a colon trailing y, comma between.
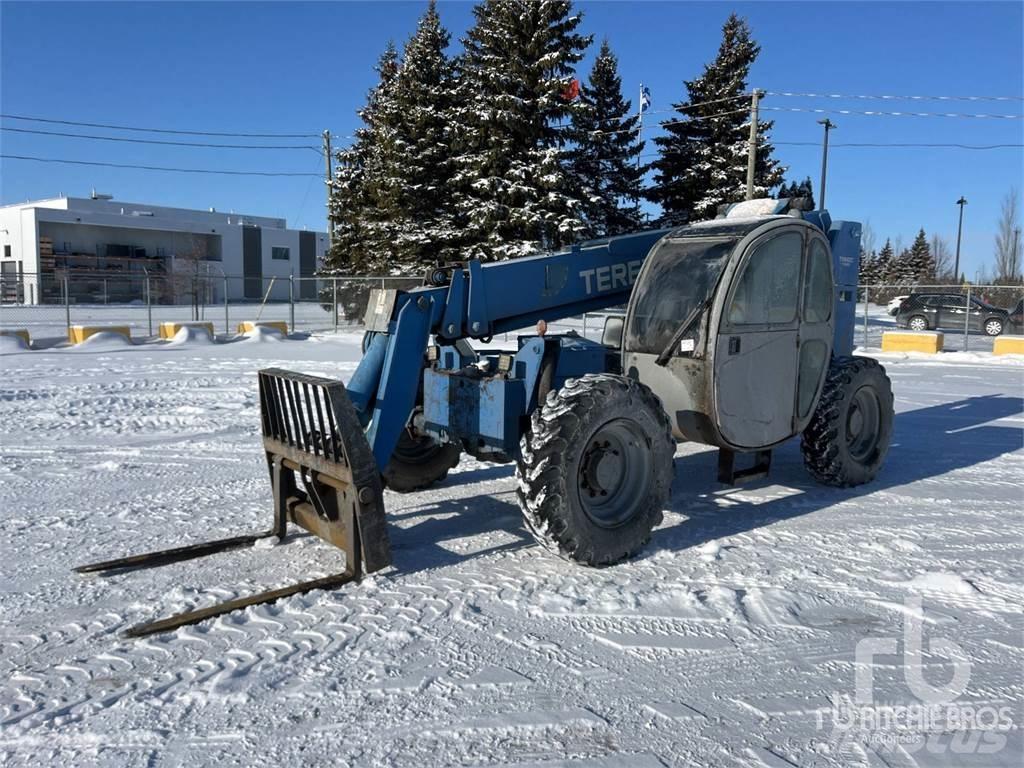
x: 645, y: 98
x: 572, y: 90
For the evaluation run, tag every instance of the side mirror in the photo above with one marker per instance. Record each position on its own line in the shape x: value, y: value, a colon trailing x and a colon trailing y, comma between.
x: 612, y: 335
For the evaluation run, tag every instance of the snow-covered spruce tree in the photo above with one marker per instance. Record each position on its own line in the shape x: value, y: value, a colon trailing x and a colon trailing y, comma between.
x: 702, y: 159
x: 918, y: 266
x: 604, y: 161
x: 419, y: 163
x: 884, y: 265
x: 791, y: 190
x: 355, y: 188
x: 867, y: 272
x: 514, y: 194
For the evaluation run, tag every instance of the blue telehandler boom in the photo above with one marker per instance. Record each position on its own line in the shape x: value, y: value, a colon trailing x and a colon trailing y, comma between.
x: 738, y: 334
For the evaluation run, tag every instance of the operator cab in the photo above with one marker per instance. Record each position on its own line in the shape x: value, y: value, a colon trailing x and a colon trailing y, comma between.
x: 731, y: 325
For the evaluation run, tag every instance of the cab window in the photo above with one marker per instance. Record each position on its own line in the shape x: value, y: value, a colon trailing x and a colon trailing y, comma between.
x: 818, y: 287
x: 768, y: 290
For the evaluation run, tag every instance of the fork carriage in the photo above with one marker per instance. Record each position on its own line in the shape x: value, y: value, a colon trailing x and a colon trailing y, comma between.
x: 324, y: 484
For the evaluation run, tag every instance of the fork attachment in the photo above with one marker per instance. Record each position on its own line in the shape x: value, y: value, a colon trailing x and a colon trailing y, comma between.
x: 311, y: 435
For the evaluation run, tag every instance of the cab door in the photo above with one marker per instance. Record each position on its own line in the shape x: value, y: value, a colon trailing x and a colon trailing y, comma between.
x: 817, y: 327
x: 756, y: 354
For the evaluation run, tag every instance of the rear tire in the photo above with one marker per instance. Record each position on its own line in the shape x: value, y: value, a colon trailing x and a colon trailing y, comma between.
x: 596, y: 469
x: 993, y: 326
x: 418, y: 463
x: 849, y: 434
x: 917, y: 323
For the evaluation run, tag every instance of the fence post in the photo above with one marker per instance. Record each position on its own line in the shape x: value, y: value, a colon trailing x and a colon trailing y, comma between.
x: 291, y: 302
x: 149, y: 304
x: 867, y: 294
x: 67, y: 306
x: 584, y: 325
x: 227, y: 317
x: 105, y: 292
x: 967, y: 317
x: 334, y: 282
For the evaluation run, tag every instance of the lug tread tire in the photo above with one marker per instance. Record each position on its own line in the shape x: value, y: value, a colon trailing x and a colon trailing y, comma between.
x: 408, y: 477
x: 546, y: 470
x: 823, y: 442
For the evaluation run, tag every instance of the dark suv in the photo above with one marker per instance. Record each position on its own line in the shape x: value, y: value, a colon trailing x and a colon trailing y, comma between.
x: 926, y: 311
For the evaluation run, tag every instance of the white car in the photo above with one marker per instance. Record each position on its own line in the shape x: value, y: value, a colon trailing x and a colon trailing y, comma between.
x: 894, y: 305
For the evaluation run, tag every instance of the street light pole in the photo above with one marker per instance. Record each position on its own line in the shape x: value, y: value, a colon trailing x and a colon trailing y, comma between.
x: 959, y: 231
x: 829, y: 125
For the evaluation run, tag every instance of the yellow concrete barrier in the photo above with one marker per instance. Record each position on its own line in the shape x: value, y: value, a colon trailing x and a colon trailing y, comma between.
x: 21, y: 333
x: 248, y: 325
x: 79, y: 333
x: 1008, y: 345
x: 169, y: 330
x: 912, y: 341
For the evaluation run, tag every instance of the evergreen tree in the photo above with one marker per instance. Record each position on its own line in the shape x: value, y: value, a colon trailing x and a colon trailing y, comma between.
x: 919, y: 265
x: 514, y: 194
x: 420, y: 163
x: 356, y: 186
x: 703, y: 157
x: 604, y: 162
x: 867, y: 272
x: 884, y: 265
x: 791, y: 190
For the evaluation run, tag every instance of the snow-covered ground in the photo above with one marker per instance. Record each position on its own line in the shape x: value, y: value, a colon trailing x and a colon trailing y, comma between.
x: 727, y: 642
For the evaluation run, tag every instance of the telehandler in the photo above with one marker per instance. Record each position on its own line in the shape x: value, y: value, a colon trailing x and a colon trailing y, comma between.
x: 738, y: 334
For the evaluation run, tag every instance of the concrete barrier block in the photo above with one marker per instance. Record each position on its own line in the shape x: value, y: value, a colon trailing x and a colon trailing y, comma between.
x: 912, y: 341
x: 247, y: 325
x: 21, y: 333
x: 1008, y: 345
x: 168, y: 330
x: 79, y: 333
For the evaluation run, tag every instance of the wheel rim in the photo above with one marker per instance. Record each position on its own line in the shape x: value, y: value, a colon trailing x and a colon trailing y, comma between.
x: 993, y: 327
x: 614, y: 472
x: 862, y: 423
x: 917, y: 324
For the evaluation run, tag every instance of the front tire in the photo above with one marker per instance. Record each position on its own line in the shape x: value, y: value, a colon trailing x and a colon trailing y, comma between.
x: 993, y: 326
x: 418, y: 463
x: 850, y: 431
x: 596, y: 469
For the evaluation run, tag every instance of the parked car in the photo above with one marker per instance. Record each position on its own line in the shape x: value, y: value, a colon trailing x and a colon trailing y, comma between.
x: 1015, y: 321
x: 928, y: 311
x: 895, y: 304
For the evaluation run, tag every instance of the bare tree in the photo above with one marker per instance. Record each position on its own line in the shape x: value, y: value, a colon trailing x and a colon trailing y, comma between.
x: 867, y: 237
x: 943, y: 257
x: 1008, y: 245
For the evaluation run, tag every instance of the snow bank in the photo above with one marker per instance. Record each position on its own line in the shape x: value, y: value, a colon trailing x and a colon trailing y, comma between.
x: 105, y: 339
x: 191, y: 335
x: 977, y: 358
x: 9, y: 344
x: 262, y: 333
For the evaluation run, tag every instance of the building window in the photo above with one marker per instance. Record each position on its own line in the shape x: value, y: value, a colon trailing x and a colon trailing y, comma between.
x: 7, y: 251
x: 280, y: 254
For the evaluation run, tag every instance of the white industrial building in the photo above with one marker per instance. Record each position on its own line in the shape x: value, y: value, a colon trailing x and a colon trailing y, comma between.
x: 98, y: 240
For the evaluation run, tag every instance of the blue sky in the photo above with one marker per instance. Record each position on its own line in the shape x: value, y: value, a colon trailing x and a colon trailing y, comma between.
x: 303, y: 67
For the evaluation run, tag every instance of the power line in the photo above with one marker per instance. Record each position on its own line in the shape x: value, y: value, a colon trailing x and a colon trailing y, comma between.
x: 893, y: 98
x: 912, y: 145
x: 155, y: 141
x: 164, y: 130
x: 880, y: 113
x: 672, y: 122
x: 153, y: 167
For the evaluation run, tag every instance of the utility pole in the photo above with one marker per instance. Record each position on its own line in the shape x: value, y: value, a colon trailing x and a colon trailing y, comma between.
x: 829, y: 125
x: 327, y: 158
x: 752, y: 143
x: 959, y: 230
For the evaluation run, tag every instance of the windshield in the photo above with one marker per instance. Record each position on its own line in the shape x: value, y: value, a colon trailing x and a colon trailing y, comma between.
x: 681, y: 276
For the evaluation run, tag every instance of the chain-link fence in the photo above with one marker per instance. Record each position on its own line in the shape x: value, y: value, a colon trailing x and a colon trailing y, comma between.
x: 47, y: 305
x: 969, y: 316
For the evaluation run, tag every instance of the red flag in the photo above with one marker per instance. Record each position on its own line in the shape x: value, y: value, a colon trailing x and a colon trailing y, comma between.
x: 572, y: 90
